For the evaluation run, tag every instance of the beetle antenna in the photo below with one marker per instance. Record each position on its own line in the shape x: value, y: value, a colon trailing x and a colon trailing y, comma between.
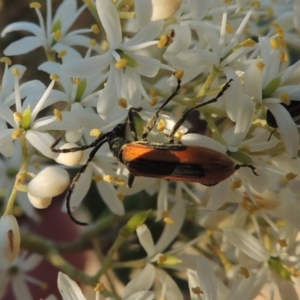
x: 246, y: 166
x: 100, y: 141
x: 188, y: 111
x: 75, y: 149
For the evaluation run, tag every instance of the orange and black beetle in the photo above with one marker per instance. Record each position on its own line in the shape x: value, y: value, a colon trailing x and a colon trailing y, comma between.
x: 167, y: 161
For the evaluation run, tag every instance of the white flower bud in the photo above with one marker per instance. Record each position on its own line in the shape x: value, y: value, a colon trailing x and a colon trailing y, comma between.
x: 39, y: 203
x: 71, y: 158
x: 50, y: 182
x: 163, y: 9
x: 9, y: 238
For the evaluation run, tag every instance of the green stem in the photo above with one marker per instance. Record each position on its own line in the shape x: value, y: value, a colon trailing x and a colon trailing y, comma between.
x: 207, y: 84
x: 20, y: 177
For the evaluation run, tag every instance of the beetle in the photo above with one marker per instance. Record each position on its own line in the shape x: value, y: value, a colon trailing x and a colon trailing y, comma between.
x: 167, y: 161
x: 293, y: 109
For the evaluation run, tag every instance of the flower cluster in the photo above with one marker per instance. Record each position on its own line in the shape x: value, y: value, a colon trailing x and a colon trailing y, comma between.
x: 240, y: 58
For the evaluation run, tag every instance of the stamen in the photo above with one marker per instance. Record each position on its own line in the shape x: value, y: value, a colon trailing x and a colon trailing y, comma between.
x: 95, y: 29
x: 245, y: 272
x: 95, y: 132
x: 121, y: 64
x: 58, y: 115
x: 163, y: 41
x: 123, y: 102
x: 17, y: 133
x: 35, y: 5
x: 62, y: 53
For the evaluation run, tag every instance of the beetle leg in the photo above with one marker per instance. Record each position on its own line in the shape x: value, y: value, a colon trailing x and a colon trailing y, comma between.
x: 130, y: 180
x: 77, y: 177
x: 188, y: 111
x: 236, y: 167
x: 151, y: 123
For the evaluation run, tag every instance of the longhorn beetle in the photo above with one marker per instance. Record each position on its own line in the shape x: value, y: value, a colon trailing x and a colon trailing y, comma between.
x: 168, y: 161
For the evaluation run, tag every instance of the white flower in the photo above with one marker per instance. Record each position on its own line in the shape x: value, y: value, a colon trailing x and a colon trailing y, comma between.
x: 17, y: 275
x: 51, y: 34
x: 23, y: 121
x: 120, y: 55
x: 269, y: 85
x: 171, y: 230
x: 204, y: 282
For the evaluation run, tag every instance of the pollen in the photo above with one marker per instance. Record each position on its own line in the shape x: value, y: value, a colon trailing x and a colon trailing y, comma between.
x: 99, y: 287
x: 119, y: 181
x: 109, y: 178
x: 196, y: 290
x: 248, y: 43
x: 153, y: 92
x: 178, y: 135
x: 284, y: 56
x: 93, y: 43
x: 162, y: 259
x: 54, y: 77
x: 121, y: 196
x: 167, y: 219
x: 256, y: 4
x: 123, y: 102
x: 58, y: 115
x: 274, y: 43
x: 62, y: 53
x: 6, y: 60
x: 76, y: 80
x: 229, y: 29
x: 283, y: 243
x: 245, y: 272
x: 288, y: 177
x: 282, y: 43
x: 260, y: 65
x: 57, y: 35
x: 95, y: 29
x: 161, y: 125
x: 97, y: 178
x: 163, y: 41
x: 295, y: 272
x: 35, y: 5
x: 121, y: 64
x: 278, y: 30
x: 179, y: 74
x: 236, y: 184
x: 18, y: 117
x: 285, y: 98
x: 95, y: 132
x: 15, y: 72
x: 104, y: 46
x: 17, y: 133
x: 153, y: 101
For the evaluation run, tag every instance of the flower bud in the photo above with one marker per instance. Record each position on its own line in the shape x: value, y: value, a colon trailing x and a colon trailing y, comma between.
x: 50, y: 182
x: 39, y: 203
x: 163, y: 9
x: 71, y: 158
x: 9, y: 238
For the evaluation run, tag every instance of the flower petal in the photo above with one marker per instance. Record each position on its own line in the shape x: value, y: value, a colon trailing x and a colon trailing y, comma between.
x: 110, y: 21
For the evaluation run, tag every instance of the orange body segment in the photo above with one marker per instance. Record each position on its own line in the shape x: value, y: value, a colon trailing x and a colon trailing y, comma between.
x: 177, y: 162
